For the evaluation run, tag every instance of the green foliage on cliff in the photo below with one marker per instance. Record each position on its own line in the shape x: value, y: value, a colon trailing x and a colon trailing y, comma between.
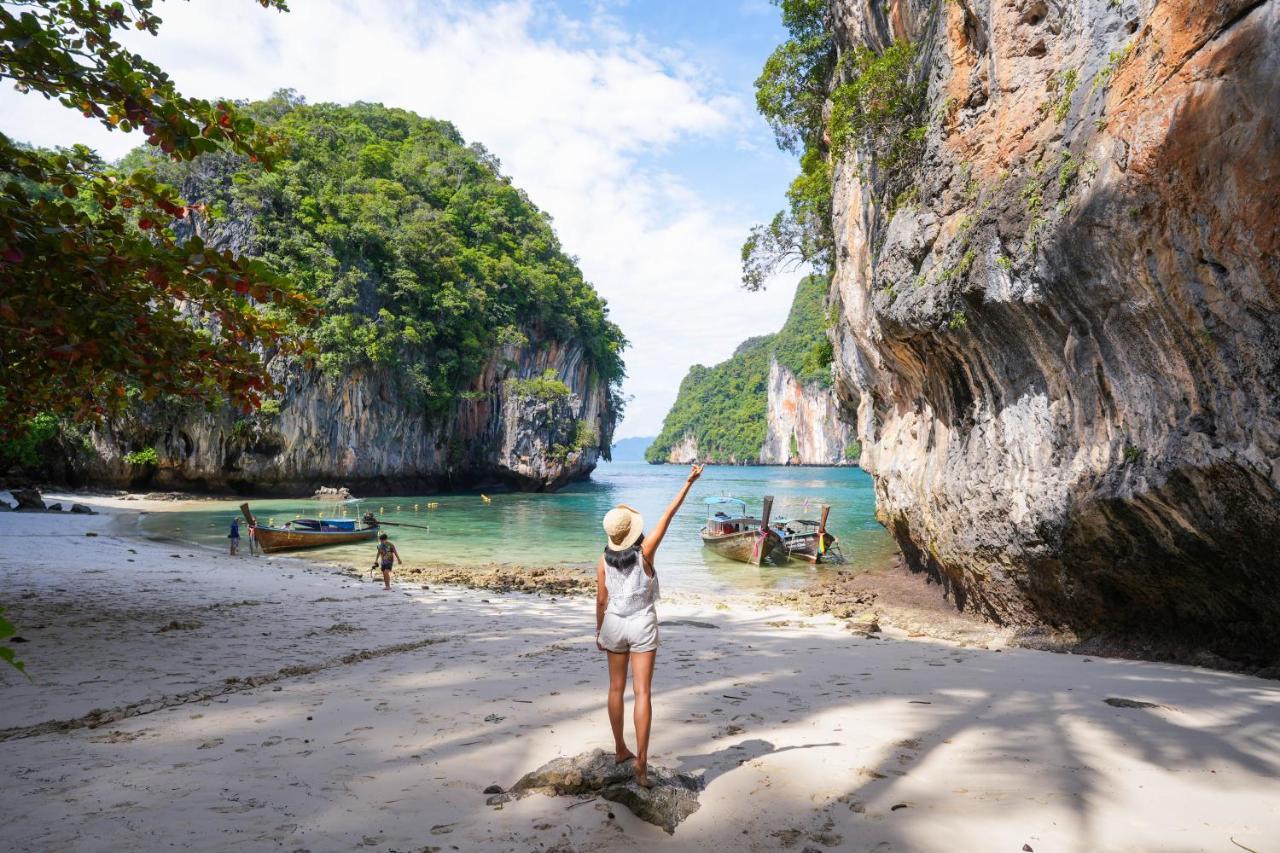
x: 802, y: 346
x: 584, y: 436
x: 881, y: 109
x: 145, y: 456
x: 791, y: 94
x: 546, y: 387
x: 422, y: 254
x: 791, y: 91
x: 724, y: 406
x: 24, y: 447
x: 877, y: 105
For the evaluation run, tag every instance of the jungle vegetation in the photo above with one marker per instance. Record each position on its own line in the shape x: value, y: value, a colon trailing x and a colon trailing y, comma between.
x: 877, y: 111
x: 422, y: 254
x: 724, y: 406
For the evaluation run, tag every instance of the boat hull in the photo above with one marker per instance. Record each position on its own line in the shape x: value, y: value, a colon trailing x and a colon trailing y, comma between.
x: 273, y: 539
x: 805, y: 546
x: 748, y: 546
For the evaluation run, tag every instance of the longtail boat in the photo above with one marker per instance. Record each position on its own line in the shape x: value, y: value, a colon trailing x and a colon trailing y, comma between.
x: 312, y: 532
x: 810, y: 540
x: 732, y: 533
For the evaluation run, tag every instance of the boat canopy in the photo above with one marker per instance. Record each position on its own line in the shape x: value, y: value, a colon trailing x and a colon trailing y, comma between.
x: 719, y: 500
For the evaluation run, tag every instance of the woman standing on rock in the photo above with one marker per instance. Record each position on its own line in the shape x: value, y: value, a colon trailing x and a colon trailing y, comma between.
x: 627, y: 620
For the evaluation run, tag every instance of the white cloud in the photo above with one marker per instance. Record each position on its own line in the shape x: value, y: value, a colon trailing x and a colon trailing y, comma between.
x: 582, y: 114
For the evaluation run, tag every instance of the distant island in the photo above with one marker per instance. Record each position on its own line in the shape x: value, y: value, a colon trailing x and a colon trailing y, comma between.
x: 631, y: 449
x: 770, y: 403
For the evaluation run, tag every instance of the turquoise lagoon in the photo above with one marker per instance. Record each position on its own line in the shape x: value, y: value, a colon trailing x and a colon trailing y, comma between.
x: 563, y: 528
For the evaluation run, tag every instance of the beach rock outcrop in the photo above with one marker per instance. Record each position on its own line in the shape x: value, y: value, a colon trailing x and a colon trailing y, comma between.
x: 673, y: 797
x: 1062, y: 336
x: 27, y: 499
x: 332, y: 493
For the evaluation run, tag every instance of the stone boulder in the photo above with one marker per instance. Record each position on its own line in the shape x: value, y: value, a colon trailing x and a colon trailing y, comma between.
x: 332, y: 493
x: 28, y: 499
x: 673, y: 797
x: 81, y: 509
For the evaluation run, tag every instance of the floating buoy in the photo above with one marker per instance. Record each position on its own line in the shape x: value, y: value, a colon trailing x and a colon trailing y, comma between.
x: 397, y: 509
x: 415, y: 507
x: 382, y: 510
x: 433, y: 505
x: 486, y: 499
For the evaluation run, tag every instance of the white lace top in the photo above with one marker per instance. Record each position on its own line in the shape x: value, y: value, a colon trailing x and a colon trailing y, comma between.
x: 631, y: 589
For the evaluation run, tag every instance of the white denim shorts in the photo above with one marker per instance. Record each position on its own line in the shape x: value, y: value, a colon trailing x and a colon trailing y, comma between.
x: 635, y: 633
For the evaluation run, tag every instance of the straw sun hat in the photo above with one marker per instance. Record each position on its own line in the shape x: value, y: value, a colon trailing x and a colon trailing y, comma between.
x: 623, y: 525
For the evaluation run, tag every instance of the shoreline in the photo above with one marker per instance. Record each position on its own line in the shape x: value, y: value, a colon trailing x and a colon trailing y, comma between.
x: 889, y: 594
x: 282, y: 702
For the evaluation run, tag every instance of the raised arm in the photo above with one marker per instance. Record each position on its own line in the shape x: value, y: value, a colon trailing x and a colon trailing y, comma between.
x: 654, y: 539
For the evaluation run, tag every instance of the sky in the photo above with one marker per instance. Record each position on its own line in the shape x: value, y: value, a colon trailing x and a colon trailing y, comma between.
x: 632, y: 122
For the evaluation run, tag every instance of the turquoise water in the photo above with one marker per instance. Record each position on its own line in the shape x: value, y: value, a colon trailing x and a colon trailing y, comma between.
x: 563, y: 528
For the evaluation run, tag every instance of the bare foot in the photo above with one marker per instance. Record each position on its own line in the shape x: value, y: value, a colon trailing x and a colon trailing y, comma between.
x: 624, y: 755
x: 642, y: 776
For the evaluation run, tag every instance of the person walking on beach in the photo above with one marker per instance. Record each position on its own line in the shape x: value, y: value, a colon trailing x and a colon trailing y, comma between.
x: 387, y: 553
x: 234, y: 536
x: 627, y: 619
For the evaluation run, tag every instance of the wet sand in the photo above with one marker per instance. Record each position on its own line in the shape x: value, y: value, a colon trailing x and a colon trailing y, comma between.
x: 183, y: 697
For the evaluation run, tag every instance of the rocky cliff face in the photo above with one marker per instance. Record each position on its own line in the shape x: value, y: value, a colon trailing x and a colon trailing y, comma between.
x: 358, y: 431
x: 684, y: 451
x: 804, y: 423
x: 1065, y: 355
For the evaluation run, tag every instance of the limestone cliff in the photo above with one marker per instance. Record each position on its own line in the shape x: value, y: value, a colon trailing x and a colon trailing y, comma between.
x: 685, y: 451
x: 359, y: 432
x: 803, y: 423
x: 1065, y: 352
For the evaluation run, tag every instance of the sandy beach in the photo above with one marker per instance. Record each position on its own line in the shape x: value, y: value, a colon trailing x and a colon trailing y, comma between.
x: 183, y: 698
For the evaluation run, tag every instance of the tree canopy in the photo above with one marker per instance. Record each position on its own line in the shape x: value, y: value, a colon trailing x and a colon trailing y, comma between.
x: 105, y: 291
x: 822, y: 105
x: 423, y: 255
x: 791, y: 93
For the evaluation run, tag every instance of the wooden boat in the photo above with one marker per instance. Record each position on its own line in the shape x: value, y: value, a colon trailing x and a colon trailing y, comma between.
x: 807, y: 539
x: 312, y: 532
x: 732, y: 533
